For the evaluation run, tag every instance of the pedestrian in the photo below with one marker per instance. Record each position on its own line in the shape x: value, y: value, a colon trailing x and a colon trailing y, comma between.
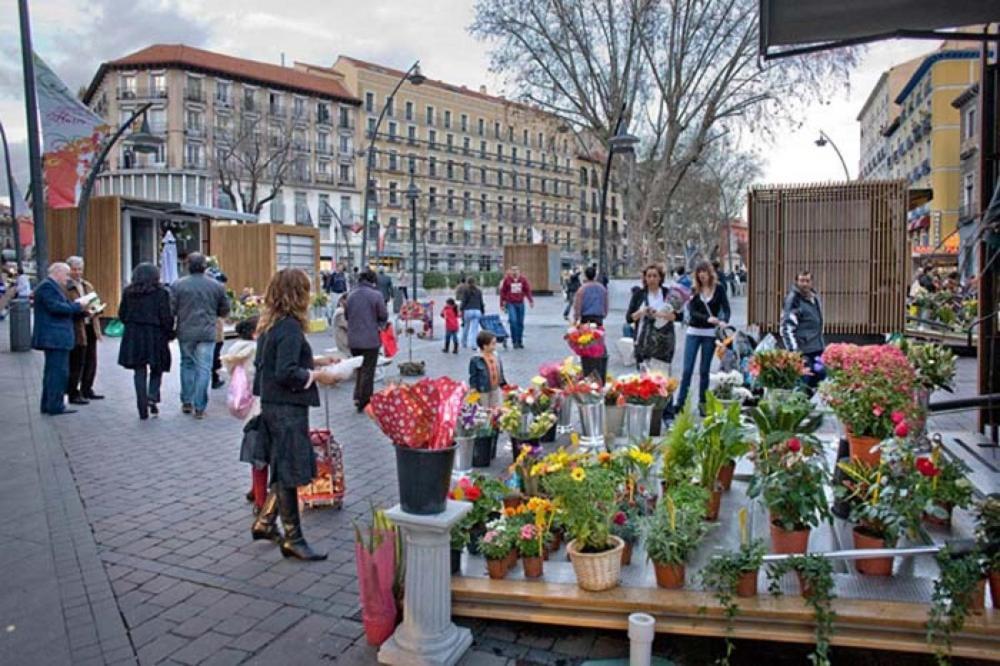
x: 87, y: 329
x: 338, y: 280
x: 590, y: 306
x: 708, y: 309
x: 460, y: 298
x: 473, y: 307
x: 650, y: 312
x: 285, y: 381
x: 54, y: 336
x: 355, y: 275
x: 486, y: 371
x: 682, y: 278
x: 450, y: 315
x: 197, y: 302
x: 366, y: 316
x: 220, y: 336
x: 23, y: 284
x: 802, y: 325
x: 514, y: 290
x: 149, y: 328
x: 240, y: 358
x: 572, y: 286
x: 340, y: 328
x: 384, y: 283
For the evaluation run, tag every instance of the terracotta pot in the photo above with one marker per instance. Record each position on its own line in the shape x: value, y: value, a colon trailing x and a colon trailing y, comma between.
x: 874, y: 566
x: 627, y: 554
x: 511, y: 560
x: 860, y: 448
x: 746, y: 586
x: 714, y: 503
x: 497, y: 569
x: 978, y: 602
x: 557, y: 537
x: 995, y: 589
x: 785, y: 542
x: 669, y: 576
x: 532, y: 567
x: 726, y: 475
x: 931, y: 519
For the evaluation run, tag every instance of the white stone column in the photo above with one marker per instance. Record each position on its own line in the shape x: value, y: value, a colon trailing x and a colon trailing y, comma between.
x: 427, y: 636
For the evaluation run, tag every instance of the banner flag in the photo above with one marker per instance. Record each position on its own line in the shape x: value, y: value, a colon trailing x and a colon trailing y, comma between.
x: 22, y: 214
x: 72, y: 136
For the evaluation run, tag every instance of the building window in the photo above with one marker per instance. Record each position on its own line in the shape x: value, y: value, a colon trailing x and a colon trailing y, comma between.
x: 465, y: 145
x: 390, y: 105
x: 481, y: 126
x: 513, y: 154
x: 465, y: 122
x: 432, y: 225
x: 323, y: 113
x: 499, y: 178
x: 432, y: 139
x: 500, y: 152
x: 432, y: 198
x: 451, y: 200
x: 430, y: 115
x: 482, y: 149
x: 393, y: 232
x: 371, y: 127
x: 451, y: 237
x: 482, y: 204
x: 412, y: 164
x: 447, y: 119
x: 345, y: 118
x: 496, y: 129
x: 450, y: 142
x: 482, y: 176
x: 465, y: 172
x: 466, y: 203
x: 500, y: 235
x: 432, y: 167
x: 411, y: 135
x: 298, y: 107
x: 393, y: 161
x: 408, y: 111
x: 370, y: 102
x: 302, y: 208
x: 970, y: 123
x: 482, y: 234
x: 393, y: 194
x: 450, y: 170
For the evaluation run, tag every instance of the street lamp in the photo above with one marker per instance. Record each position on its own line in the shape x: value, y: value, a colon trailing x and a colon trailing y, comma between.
x: 824, y: 139
x: 20, y: 317
x: 416, y: 77
x: 412, y: 195
x: 142, y: 141
x: 622, y: 143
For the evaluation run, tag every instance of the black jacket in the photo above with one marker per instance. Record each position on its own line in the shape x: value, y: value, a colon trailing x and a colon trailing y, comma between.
x: 718, y: 307
x: 472, y: 299
x: 802, y: 323
x: 284, y: 359
x: 149, y: 327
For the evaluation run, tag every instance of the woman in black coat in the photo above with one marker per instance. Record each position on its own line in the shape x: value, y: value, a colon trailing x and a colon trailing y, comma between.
x: 149, y: 327
x: 285, y: 380
x: 708, y: 310
x: 653, y: 321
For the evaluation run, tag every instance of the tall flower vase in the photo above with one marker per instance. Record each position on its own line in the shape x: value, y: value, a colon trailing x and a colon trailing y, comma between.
x: 637, y: 421
x: 463, y: 455
x: 592, y: 424
x: 565, y: 422
x: 614, y: 419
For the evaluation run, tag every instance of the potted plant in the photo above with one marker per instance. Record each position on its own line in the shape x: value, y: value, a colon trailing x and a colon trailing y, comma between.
x: 585, y: 491
x: 496, y: 546
x: 460, y: 535
x: 644, y: 394
x: 624, y: 525
x: 723, y: 425
x: 777, y: 369
x: 945, y: 485
x: 677, y: 449
x: 870, y: 389
x: 410, y: 312
x: 486, y: 494
x: 778, y: 421
x: 473, y: 423
x: 672, y: 533
x: 816, y: 584
x: 934, y: 365
x: 728, y: 387
x: 530, y: 539
x: 988, y: 541
x: 958, y: 590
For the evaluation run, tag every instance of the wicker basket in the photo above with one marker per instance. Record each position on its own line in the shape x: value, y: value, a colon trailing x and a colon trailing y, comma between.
x: 597, y: 571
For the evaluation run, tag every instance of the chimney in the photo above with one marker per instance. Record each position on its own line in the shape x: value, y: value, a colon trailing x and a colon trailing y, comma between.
x: 282, y: 58
x: 482, y: 90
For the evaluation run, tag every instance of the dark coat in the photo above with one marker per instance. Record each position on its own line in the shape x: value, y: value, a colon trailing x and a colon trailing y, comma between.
x: 284, y: 359
x: 717, y: 307
x: 366, y: 315
x: 479, y: 374
x: 54, y: 314
x: 472, y: 299
x: 149, y: 327
x: 82, y: 321
x: 802, y: 323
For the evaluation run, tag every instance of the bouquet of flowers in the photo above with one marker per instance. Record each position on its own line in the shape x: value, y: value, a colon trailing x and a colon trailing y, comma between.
x: 423, y: 415
x: 411, y: 311
x: 559, y: 375
x: 933, y: 364
x: 777, y: 368
x: 870, y: 389
x: 585, y: 391
x: 474, y: 420
x: 649, y: 388
x: 512, y: 423
x: 729, y: 386
x: 586, y: 340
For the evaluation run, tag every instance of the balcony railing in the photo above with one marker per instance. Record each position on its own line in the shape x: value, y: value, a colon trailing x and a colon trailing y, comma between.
x: 301, y: 116
x: 277, y: 111
x: 194, y: 163
x: 324, y: 149
x: 326, y: 178
x: 250, y: 106
x: 223, y: 102
x: 346, y: 124
x: 195, y: 131
x: 194, y: 95
x: 346, y: 181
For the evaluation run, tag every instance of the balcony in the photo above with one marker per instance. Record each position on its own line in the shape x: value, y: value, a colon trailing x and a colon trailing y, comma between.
x: 345, y: 181
x: 324, y: 149
x: 223, y: 103
x: 346, y: 124
x: 222, y: 134
x: 301, y: 116
x: 300, y: 146
x: 277, y: 111
x: 127, y: 93
x: 196, y: 131
x: 324, y: 119
x: 195, y: 163
x: 326, y: 178
x: 194, y: 95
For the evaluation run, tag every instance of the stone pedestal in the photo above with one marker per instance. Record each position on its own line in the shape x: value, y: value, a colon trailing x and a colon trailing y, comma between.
x: 427, y: 636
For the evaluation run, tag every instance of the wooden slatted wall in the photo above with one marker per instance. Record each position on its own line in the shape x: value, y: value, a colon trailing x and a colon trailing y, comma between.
x: 851, y: 236
x: 247, y: 253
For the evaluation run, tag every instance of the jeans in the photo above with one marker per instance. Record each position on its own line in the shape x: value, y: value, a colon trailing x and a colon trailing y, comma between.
x: 515, y: 314
x: 449, y: 337
x: 54, y: 380
x: 364, y: 382
x: 569, y: 303
x: 196, y: 372
x: 471, y: 319
x: 692, y: 345
x: 146, y: 390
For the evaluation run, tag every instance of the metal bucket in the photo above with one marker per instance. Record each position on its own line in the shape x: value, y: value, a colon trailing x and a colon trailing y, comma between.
x: 592, y: 424
x: 565, y: 423
x: 638, y: 419
x: 463, y: 455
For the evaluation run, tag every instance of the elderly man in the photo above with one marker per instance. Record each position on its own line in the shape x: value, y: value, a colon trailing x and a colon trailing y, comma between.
x: 198, y: 301
x: 87, y: 329
x: 54, y: 336
x: 366, y: 315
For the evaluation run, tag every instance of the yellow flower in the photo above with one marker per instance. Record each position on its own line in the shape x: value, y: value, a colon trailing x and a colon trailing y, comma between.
x: 640, y: 457
x: 574, y: 439
x: 458, y: 494
x: 554, y: 467
x: 472, y: 397
x: 538, y: 380
x: 537, y: 469
x: 585, y: 339
x: 578, y: 474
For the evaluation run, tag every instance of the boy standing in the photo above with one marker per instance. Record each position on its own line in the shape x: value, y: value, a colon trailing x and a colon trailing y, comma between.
x: 486, y: 371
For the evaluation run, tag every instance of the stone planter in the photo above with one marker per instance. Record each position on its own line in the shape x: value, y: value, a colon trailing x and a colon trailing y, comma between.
x: 532, y: 567
x: 789, y: 543
x: 597, y: 571
x: 746, y: 586
x: 861, y: 449
x: 874, y: 566
x: 669, y: 576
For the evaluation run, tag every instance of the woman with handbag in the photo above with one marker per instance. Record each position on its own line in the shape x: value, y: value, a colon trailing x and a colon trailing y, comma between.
x: 708, y: 309
x: 148, y: 329
x: 652, y: 315
x: 285, y: 380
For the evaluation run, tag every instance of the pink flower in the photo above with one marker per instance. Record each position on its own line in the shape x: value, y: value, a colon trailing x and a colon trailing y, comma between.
x: 794, y: 445
x: 490, y: 536
x: 898, y: 417
x: 528, y: 532
x: 902, y: 430
x: 877, y: 410
x: 620, y: 518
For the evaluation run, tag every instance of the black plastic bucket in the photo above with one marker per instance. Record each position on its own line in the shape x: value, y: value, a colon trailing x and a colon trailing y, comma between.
x: 424, y: 477
x: 482, y: 451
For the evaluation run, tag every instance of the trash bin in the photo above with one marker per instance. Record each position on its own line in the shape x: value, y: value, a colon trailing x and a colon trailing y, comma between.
x: 20, y: 325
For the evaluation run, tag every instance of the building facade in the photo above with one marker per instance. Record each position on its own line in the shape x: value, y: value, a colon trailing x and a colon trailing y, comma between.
x: 879, y: 110
x: 490, y: 172
x: 210, y: 108
x: 967, y: 104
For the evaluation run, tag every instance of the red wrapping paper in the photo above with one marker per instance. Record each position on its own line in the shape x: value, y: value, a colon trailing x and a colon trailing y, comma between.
x: 421, y: 415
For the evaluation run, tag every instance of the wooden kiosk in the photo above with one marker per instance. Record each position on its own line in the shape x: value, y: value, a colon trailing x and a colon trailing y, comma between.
x: 250, y: 254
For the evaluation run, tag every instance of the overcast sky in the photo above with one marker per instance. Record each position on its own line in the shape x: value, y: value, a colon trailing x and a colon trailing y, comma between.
x: 75, y: 36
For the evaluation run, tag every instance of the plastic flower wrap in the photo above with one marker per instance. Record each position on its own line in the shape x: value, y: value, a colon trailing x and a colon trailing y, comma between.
x: 422, y: 415
x: 411, y: 310
x: 585, y: 391
x: 729, y: 385
x: 586, y: 340
x: 559, y: 375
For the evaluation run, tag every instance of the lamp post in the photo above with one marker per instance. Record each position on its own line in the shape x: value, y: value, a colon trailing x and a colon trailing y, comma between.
x: 621, y: 143
x: 412, y: 195
x: 20, y: 317
x: 34, y: 150
x: 414, y: 76
x: 824, y: 139
x: 142, y: 141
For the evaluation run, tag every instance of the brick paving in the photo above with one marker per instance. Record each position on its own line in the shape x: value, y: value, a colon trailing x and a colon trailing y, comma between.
x: 128, y: 542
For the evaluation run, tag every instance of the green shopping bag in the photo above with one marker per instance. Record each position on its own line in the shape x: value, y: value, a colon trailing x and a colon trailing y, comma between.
x: 114, y: 329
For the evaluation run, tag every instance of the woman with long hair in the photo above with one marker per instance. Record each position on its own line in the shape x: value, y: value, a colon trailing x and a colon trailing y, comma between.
x: 708, y: 309
x: 653, y: 320
x: 149, y: 328
x: 285, y: 381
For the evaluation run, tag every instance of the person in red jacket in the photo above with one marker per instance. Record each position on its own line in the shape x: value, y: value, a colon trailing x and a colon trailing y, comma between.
x: 514, y: 290
x: 451, y: 325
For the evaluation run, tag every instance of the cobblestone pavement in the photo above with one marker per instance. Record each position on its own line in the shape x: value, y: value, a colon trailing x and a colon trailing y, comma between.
x: 128, y: 542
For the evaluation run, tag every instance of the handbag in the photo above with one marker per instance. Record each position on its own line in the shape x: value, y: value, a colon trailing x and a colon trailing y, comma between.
x: 655, y: 342
x: 389, y: 345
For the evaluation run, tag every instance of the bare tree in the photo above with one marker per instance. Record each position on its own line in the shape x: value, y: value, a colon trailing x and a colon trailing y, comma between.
x: 686, y: 71
x: 254, y: 163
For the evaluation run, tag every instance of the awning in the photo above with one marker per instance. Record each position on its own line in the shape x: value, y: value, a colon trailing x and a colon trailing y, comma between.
x: 216, y: 213
x: 812, y: 25
x: 922, y: 222
x: 919, y: 196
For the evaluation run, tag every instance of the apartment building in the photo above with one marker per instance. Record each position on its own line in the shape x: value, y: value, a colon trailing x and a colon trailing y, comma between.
x: 490, y: 171
x: 967, y: 104
x: 879, y: 110
x: 203, y: 102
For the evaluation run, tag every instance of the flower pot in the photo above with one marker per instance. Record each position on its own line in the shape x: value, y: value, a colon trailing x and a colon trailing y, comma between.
x: 378, y: 628
x: 713, y: 505
x: 789, y: 543
x: 592, y: 424
x: 565, y: 422
x: 656, y: 423
x: 482, y: 451
x: 995, y: 589
x: 726, y: 475
x: 456, y: 561
x: 550, y: 436
x: 557, y: 537
x: 669, y: 576
x: 463, y: 454
x: 861, y: 449
x: 627, y: 554
x: 511, y: 560
x: 597, y: 571
x: 746, y: 586
x: 532, y: 567
x: 614, y: 421
x: 424, y: 477
x: 476, y: 533
x: 873, y: 566
x: 931, y: 519
x: 637, y: 422
x: 977, y: 602
x: 497, y: 569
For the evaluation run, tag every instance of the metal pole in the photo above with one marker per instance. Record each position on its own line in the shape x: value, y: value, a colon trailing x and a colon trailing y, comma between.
x: 34, y: 150
x: 602, y: 248
x: 413, y: 244
x: 88, y: 186
x: 847, y: 174
x: 13, y: 209
x: 20, y: 314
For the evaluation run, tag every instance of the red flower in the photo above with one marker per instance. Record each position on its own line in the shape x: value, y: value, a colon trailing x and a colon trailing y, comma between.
x: 927, y: 468
x: 901, y: 429
x: 898, y: 417
x: 620, y: 518
x: 794, y: 445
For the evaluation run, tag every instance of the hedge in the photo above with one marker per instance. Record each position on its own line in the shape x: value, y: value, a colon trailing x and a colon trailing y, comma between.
x: 438, y: 280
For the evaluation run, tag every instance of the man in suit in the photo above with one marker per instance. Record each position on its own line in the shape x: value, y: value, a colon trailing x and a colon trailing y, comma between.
x: 87, y: 329
x: 53, y: 334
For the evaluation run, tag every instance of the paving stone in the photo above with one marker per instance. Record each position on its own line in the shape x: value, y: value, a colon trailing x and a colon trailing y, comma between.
x: 195, y: 626
x: 149, y: 631
x: 236, y: 625
x: 161, y: 648
x: 252, y: 641
x: 201, y: 648
x: 479, y: 658
x: 226, y: 657
x: 280, y: 620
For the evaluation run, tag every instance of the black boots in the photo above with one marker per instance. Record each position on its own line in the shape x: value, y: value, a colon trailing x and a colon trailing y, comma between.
x: 294, y: 544
x: 265, y: 526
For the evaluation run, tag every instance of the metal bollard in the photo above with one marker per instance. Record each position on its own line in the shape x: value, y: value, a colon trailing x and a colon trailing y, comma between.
x: 20, y: 325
